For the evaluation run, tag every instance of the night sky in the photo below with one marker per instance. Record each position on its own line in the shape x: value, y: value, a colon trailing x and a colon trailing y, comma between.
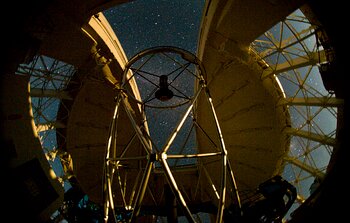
x: 147, y: 23
x: 142, y: 24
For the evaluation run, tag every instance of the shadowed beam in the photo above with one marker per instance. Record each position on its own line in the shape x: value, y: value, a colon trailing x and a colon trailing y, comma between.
x: 49, y: 93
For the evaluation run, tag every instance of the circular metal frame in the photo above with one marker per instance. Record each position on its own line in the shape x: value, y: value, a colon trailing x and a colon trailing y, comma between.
x: 134, y: 70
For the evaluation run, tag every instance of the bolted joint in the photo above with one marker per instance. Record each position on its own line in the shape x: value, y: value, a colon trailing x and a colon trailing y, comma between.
x: 164, y: 156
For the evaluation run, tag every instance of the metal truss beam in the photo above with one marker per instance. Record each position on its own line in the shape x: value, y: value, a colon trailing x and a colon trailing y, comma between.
x: 312, y: 136
x: 314, y: 101
x: 50, y: 93
x: 40, y: 127
x: 311, y: 60
x: 302, y: 165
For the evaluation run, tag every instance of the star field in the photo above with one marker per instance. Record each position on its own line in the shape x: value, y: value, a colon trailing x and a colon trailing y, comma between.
x: 142, y: 24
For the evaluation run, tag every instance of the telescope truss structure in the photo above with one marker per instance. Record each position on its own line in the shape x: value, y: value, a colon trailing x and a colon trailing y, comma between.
x: 140, y: 167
